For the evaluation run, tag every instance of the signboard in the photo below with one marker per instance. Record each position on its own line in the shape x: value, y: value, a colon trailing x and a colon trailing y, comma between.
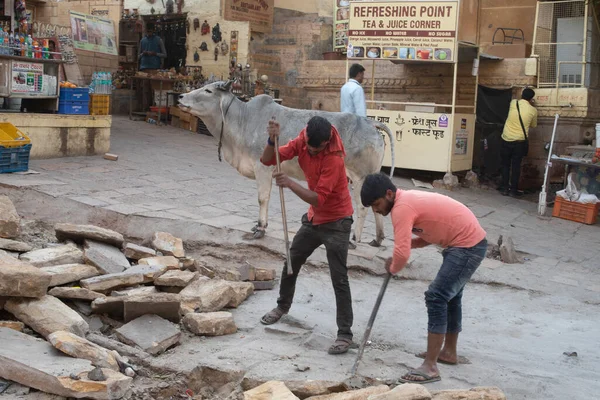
x: 92, y: 33
x: 340, y: 24
x: 258, y: 12
x: 27, y: 77
x: 407, y: 30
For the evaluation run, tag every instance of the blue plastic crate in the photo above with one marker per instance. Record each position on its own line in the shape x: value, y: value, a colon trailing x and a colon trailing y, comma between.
x: 14, y: 159
x: 74, y: 107
x: 75, y: 94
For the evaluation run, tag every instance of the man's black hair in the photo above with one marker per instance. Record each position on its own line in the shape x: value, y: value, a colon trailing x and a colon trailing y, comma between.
x: 375, y: 187
x: 527, y: 94
x: 318, y: 130
x: 150, y: 26
x: 355, y: 69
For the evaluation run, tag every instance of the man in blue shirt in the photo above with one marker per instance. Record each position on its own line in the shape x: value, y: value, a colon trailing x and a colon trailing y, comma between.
x: 152, y: 50
x: 352, y: 96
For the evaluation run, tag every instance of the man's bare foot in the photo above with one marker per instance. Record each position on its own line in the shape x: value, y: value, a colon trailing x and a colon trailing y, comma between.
x: 423, y: 374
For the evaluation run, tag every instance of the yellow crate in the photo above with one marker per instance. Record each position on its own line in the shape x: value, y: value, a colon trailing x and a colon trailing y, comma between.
x: 10, y: 136
x: 99, y: 104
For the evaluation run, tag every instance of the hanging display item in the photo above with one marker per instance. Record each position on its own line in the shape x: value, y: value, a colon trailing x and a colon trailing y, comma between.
x: 196, y: 56
x: 203, y: 46
x: 170, y: 7
x: 224, y: 48
x: 216, y: 53
x: 216, y: 33
x: 205, y: 28
x: 152, y: 11
x: 196, y: 24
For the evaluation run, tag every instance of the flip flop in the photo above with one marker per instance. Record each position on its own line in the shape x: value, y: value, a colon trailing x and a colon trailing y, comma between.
x: 340, y: 346
x: 272, y: 316
x: 414, y: 372
x: 461, y: 359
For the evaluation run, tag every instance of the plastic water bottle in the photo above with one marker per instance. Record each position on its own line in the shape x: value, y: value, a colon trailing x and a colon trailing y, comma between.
x: 151, y: 121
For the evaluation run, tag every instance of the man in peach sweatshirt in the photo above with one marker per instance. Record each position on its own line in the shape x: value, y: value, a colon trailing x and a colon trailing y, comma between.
x: 434, y: 219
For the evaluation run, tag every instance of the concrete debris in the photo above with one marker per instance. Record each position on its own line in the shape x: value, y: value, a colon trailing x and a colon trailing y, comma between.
x: 58, y: 255
x: 135, y: 252
x: 271, y: 390
x: 68, y: 273
x: 142, y: 290
x: 175, y: 278
x: 471, y: 180
x: 407, y: 391
x: 79, y: 347
x: 264, y: 274
x: 476, y: 393
x: 151, y: 333
x: 13, y: 245
x: 361, y: 394
x: 168, y: 244
x: 169, y: 262
x: 108, y: 259
x: 35, y: 363
x: 508, y: 253
x: 47, y: 315
x: 23, y: 280
x: 213, y: 378
x: 210, y: 324
x: 16, y: 325
x: 165, y: 305
x: 263, y: 285
x: 10, y: 222
x: 81, y: 233
x: 449, y: 182
x: 206, y: 295
x: 112, y: 281
x: 96, y: 375
x: 75, y: 293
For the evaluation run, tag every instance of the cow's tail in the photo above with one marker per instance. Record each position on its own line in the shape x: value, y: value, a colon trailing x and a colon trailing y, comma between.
x: 383, y: 127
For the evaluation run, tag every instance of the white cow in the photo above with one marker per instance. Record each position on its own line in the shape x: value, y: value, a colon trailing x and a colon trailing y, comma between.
x: 242, y: 132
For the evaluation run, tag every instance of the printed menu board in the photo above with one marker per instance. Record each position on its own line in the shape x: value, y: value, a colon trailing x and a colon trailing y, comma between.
x: 27, y: 77
x: 340, y: 24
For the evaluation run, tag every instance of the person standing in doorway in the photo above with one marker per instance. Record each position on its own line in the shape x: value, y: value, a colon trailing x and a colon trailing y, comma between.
x: 352, y: 95
x: 522, y: 115
x: 151, y: 51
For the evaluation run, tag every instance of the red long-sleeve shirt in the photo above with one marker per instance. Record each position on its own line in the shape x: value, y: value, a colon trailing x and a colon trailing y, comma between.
x: 325, y: 174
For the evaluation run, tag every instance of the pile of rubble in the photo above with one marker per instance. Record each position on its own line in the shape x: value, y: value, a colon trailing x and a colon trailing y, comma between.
x: 142, y: 296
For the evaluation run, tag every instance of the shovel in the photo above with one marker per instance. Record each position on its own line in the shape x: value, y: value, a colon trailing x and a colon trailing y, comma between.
x: 542, y: 200
x: 283, y: 214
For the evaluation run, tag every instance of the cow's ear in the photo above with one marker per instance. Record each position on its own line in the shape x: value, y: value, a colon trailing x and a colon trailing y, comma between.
x: 226, y: 86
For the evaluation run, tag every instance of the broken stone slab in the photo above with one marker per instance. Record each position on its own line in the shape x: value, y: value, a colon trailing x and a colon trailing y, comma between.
x: 151, y: 333
x: 264, y: 274
x: 58, y: 255
x: 36, y: 363
x: 476, y: 393
x: 10, y: 222
x: 204, y: 269
x: 263, y: 285
x: 213, y: 377
x: 142, y: 290
x: 23, y: 280
x: 241, y: 291
x: 167, y: 261
x: 175, y: 278
x: 135, y: 252
x: 508, y: 253
x: 247, y: 272
x: 75, y: 293
x: 210, y: 324
x: 302, y: 389
x: 165, y: 305
x: 134, y: 354
x: 108, y: 259
x: 16, y: 325
x: 47, y: 315
x: 112, y: 306
x: 271, y: 390
x: 187, y: 263
x: 150, y: 272
x: 80, y: 233
x: 168, y: 244
x: 111, y: 281
x: 79, y: 347
x: 13, y: 245
x: 68, y: 273
x: 361, y: 394
x: 407, y: 391
x: 206, y: 295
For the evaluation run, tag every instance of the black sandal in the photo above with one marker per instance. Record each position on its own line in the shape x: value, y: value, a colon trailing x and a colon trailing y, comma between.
x: 340, y: 346
x: 272, y: 316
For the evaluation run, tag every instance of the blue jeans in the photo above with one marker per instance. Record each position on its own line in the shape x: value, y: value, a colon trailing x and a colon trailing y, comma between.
x: 444, y: 296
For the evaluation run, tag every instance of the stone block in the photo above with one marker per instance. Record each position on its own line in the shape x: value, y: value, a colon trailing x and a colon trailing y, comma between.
x: 112, y: 281
x: 210, y: 324
x: 75, y: 293
x: 23, y: 280
x: 247, y: 272
x: 81, y: 233
x: 407, y: 391
x: 175, y: 278
x: 263, y: 285
x: 135, y: 252
x: 167, y: 261
x: 206, y: 295
x: 264, y: 274
x: 108, y: 259
x: 35, y: 363
x: 306, y: 389
x: 67, y: 273
x: 508, y: 253
x: 151, y: 333
x: 47, y: 315
x: 168, y: 244
x: 271, y: 390
x: 476, y: 393
x: 16, y: 325
x: 165, y: 305
x: 149, y: 272
x: 13, y: 245
x: 361, y: 394
x: 50, y: 256
x: 241, y: 291
x: 10, y: 222
x: 135, y: 291
x: 79, y: 347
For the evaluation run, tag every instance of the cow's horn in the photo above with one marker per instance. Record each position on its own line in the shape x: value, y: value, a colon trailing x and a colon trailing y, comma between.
x: 227, y: 85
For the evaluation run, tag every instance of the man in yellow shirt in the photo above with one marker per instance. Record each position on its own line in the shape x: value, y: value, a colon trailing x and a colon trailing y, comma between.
x: 522, y: 115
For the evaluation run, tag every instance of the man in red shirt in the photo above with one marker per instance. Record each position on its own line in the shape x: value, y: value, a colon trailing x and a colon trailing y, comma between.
x: 320, y: 153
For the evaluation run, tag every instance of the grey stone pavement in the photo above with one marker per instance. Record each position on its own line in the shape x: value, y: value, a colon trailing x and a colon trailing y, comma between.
x: 168, y: 173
